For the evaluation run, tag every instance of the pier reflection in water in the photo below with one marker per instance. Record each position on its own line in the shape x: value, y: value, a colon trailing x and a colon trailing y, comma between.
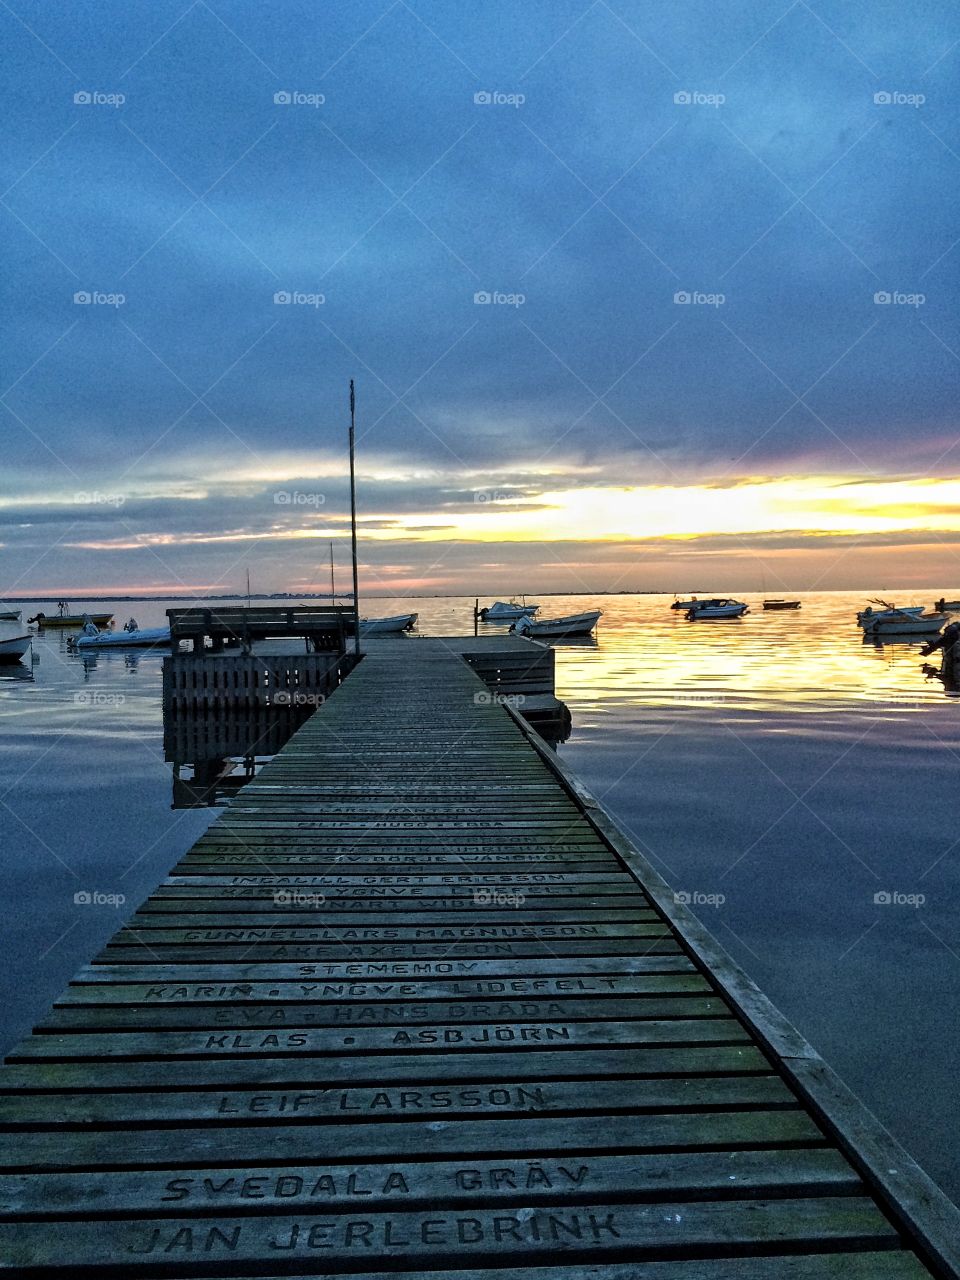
x: 225, y: 716
x: 217, y: 751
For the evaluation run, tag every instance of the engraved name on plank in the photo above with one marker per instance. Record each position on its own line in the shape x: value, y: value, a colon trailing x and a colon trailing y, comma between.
x: 292, y: 991
x: 255, y: 1042
x: 337, y: 1184
x: 373, y: 933
x: 386, y: 1101
x: 376, y: 1233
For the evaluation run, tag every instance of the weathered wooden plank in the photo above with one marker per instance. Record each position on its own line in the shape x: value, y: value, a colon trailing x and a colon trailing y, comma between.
x: 241, y: 1014
x: 702, y: 1175
x: 865, y: 1264
x: 432, y: 1237
x: 509, y: 902
x: 539, y: 882
x: 528, y: 971
x: 266, y: 1073
x: 237, y: 991
x: 305, y: 910
x: 137, y: 951
x: 350, y: 929
x: 435, y: 1098
x: 302, y: 1041
x: 286, y: 1143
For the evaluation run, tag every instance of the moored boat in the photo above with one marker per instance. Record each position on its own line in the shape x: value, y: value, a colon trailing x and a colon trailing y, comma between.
x: 388, y: 626
x: 717, y: 610
x: 939, y: 606
x: 131, y: 637
x: 781, y: 604
x: 887, y: 610
x: 504, y: 611
x: 63, y: 618
x: 9, y: 615
x: 902, y: 623
x: 12, y: 648
x: 574, y: 624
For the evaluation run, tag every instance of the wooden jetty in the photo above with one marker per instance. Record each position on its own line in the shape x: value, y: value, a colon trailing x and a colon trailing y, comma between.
x: 413, y: 1005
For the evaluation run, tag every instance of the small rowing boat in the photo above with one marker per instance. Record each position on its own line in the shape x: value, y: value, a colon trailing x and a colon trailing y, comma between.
x: 388, y: 626
x: 900, y: 622
x: 9, y: 615
x: 781, y: 604
x: 12, y: 648
x: 574, y: 624
x: 887, y: 610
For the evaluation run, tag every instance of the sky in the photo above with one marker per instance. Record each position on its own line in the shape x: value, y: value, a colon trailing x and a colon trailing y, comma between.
x: 636, y: 296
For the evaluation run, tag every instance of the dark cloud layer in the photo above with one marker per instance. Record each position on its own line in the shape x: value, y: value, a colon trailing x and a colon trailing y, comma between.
x: 582, y: 212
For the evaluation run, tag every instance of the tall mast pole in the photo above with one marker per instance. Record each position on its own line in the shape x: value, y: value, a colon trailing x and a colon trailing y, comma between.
x: 353, y: 515
x: 333, y: 581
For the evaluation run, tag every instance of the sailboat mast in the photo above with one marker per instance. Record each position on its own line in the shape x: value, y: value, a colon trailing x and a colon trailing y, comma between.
x: 353, y: 515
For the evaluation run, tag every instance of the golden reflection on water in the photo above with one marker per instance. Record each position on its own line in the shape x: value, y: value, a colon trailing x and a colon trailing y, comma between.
x: 811, y: 659
x: 646, y: 654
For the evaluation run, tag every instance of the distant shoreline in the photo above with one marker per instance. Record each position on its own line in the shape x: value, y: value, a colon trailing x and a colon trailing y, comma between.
x: 460, y: 595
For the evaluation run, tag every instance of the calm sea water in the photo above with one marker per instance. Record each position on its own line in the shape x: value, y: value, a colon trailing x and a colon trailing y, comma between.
x: 776, y: 769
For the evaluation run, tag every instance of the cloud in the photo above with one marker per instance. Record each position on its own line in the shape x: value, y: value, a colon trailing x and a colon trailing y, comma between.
x: 399, y: 201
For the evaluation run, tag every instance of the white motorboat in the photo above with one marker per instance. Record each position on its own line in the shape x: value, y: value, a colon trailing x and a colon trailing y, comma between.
x: 899, y: 622
x: 131, y: 636
x: 574, y: 624
x: 9, y: 615
x: 388, y: 626
x: 508, y: 612
x: 716, y: 610
x: 12, y: 648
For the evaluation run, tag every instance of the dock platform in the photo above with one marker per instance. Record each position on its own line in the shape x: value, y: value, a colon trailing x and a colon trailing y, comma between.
x: 413, y: 1005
